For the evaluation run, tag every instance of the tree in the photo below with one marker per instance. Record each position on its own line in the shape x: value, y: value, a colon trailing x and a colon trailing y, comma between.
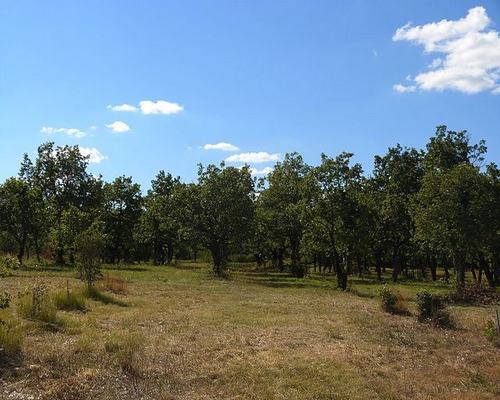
x: 448, y: 213
x: 282, y: 205
x: 221, y: 208
x: 122, y: 210
x: 18, y: 210
x: 397, y: 178
x: 60, y: 173
x: 159, y: 228
x: 340, y: 212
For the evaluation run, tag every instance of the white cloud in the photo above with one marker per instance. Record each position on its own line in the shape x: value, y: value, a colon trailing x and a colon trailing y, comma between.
x: 256, y: 157
x: 159, y: 107
x: 221, y: 146
x: 123, y: 107
x: 73, y: 132
x: 94, y: 155
x: 472, y: 53
x: 118, y: 127
x: 403, y: 89
x: 148, y: 107
x: 263, y: 171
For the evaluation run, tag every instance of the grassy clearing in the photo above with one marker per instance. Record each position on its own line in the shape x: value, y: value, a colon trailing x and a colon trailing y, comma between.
x: 261, y: 335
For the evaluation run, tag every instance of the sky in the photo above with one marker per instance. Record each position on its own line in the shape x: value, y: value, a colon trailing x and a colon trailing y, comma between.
x: 142, y: 86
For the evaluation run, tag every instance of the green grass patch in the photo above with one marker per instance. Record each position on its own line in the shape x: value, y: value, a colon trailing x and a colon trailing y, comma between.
x: 69, y: 301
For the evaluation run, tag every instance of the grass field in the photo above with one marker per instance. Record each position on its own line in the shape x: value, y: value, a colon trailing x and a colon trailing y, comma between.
x: 175, y: 332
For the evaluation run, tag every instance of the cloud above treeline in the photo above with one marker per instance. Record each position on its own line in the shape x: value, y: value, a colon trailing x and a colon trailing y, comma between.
x: 469, y: 54
x: 118, y: 127
x: 220, y: 146
x: 254, y: 157
x: 148, y: 107
x: 73, y: 132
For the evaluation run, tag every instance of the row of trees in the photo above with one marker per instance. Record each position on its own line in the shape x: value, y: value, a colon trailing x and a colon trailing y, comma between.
x: 419, y: 210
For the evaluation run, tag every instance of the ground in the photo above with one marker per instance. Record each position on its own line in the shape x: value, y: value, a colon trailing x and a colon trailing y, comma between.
x: 259, y: 335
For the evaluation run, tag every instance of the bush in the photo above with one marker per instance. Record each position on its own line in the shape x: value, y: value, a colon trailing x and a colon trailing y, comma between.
x: 7, y: 265
x: 126, y: 349
x: 11, y: 339
x: 432, y: 308
x: 474, y: 293
x: 69, y: 301
x: 90, y: 245
x: 5, y: 299
x: 491, y: 332
x: 115, y: 285
x: 36, y: 305
x: 391, y: 302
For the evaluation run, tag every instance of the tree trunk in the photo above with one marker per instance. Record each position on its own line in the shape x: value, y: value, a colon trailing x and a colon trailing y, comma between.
x: 219, y: 260
x: 433, y: 267
x: 396, y: 268
x: 460, y: 270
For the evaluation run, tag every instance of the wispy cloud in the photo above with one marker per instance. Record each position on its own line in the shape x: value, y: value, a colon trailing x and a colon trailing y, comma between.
x: 118, y: 127
x: 221, y: 146
x: 472, y: 53
x: 73, y: 132
x: 254, y: 157
x: 123, y: 108
x: 403, y: 89
x: 94, y: 155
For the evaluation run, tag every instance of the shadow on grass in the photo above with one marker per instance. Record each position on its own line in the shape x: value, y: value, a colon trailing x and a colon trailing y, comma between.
x: 94, y: 294
x: 285, y: 280
x: 124, y: 268
x: 46, y: 268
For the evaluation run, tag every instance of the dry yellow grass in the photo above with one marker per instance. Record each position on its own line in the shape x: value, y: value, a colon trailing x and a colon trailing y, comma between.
x: 257, y: 336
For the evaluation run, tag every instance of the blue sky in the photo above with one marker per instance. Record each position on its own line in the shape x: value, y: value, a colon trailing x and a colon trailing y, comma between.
x: 262, y: 76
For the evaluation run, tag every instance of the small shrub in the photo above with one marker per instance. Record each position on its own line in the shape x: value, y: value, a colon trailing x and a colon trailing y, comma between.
x: 5, y: 299
x: 126, y: 348
x: 432, y: 308
x: 36, y: 305
x: 90, y: 245
x: 491, y: 332
x: 7, y: 265
x: 115, y: 285
x: 391, y: 302
x: 11, y: 339
x: 69, y: 301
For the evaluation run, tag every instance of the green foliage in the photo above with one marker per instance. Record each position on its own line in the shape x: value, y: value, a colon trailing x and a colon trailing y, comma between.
x: 36, y: 304
x: 90, y: 247
x: 69, y: 301
x: 11, y: 338
x: 432, y: 308
x: 7, y: 265
x: 126, y: 348
x: 5, y: 300
x: 492, y: 333
x: 121, y: 213
x: 391, y: 301
x: 220, y: 208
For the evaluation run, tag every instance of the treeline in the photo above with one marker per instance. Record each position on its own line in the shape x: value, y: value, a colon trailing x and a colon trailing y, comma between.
x: 420, y: 210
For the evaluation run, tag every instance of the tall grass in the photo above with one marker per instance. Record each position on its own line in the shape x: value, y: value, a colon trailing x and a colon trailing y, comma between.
x: 11, y: 338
